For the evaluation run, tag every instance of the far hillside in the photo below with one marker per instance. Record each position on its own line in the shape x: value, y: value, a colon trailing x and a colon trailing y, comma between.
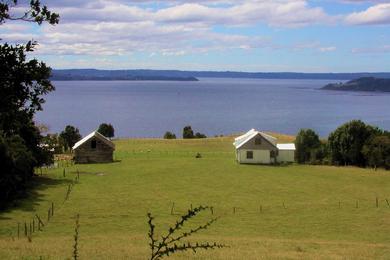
x: 362, y: 84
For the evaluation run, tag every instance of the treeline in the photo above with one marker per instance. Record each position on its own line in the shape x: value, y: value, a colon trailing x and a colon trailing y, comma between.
x: 353, y: 143
x: 188, y: 133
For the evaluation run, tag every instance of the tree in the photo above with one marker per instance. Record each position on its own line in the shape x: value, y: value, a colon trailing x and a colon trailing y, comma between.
x: 306, y: 143
x: 23, y: 82
x: 377, y: 151
x: 107, y: 130
x: 169, y: 135
x: 188, y: 132
x: 70, y: 136
x: 199, y: 135
x: 346, y: 142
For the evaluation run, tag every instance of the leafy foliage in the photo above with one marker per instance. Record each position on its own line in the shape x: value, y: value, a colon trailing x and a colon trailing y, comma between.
x: 36, y: 13
x: 23, y: 82
x: 199, y: 135
x: 347, y: 141
x: 377, y: 151
x: 70, y: 136
x: 171, y: 243
x: 188, y: 132
x: 306, y: 142
x: 169, y: 135
x: 107, y: 130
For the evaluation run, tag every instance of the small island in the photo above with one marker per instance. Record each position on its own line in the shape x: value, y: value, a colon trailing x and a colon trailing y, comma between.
x: 370, y: 84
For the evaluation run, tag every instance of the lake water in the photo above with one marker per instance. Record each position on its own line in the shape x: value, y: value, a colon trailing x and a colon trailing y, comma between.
x: 210, y: 106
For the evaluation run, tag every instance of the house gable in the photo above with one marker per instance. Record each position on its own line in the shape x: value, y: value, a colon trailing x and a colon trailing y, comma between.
x: 258, y: 142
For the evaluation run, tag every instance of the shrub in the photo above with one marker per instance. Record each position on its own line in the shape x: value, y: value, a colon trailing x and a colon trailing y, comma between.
x: 377, y: 152
x: 199, y: 135
x: 169, y: 135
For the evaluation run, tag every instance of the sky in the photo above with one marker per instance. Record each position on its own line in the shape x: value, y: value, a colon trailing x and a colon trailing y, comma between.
x: 218, y: 35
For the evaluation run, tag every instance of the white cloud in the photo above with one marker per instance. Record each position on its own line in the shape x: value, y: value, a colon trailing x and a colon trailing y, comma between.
x: 377, y: 14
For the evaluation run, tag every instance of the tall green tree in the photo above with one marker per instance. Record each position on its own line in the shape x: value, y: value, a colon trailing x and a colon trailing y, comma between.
x: 107, y: 130
x: 23, y: 83
x: 70, y: 136
x: 377, y: 152
x: 188, y: 132
x: 306, y: 144
x: 347, y: 141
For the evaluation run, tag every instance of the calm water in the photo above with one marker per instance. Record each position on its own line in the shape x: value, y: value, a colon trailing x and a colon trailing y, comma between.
x: 210, y: 106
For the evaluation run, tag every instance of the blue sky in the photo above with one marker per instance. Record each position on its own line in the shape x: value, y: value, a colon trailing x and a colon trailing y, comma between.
x: 252, y: 35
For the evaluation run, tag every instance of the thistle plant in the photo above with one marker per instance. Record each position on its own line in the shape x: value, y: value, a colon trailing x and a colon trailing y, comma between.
x: 76, y: 238
x: 172, y: 243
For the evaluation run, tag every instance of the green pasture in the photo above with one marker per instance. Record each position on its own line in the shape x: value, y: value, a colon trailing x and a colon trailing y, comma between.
x: 266, y: 212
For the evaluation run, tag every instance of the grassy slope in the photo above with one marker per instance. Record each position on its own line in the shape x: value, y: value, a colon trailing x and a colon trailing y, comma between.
x: 113, y: 200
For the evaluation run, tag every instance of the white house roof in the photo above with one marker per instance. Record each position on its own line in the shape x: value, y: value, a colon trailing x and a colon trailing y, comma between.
x: 94, y: 134
x: 241, y: 140
x: 290, y: 146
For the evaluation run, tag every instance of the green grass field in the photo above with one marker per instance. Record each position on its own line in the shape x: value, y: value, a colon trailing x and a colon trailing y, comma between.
x: 306, y: 211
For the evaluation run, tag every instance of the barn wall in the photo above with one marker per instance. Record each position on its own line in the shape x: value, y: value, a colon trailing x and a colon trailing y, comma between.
x: 259, y: 156
x: 102, y: 153
x: 286, y: 156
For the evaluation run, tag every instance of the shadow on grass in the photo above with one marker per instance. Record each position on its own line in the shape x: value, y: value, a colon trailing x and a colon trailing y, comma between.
x: 31, y: 197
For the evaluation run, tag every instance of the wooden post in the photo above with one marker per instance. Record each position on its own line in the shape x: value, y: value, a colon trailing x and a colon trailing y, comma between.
x: 388, y: 204
x: 18, y: 229
x: 212, y: 210
x: 33, y: 224
x: 25, y: 228
x: 284, y: 206
x: 63, y: 172
x: 234, y: 210
x: 30, y: 229
x: 377, y: 202
x: 191, y: 206
x: 40, y: 222
x: 172, y: 208
x: 52, y: 208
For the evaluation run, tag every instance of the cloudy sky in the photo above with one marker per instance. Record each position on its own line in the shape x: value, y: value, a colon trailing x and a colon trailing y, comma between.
x: 241, y: 35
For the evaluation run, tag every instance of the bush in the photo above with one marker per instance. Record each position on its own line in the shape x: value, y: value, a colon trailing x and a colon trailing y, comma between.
x: 169, y: 135
x: 199, y: 135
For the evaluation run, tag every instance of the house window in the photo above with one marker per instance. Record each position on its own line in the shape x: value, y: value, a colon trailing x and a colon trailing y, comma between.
x: 249, y: 154
x: 258, y: 141
x: 93, y: 144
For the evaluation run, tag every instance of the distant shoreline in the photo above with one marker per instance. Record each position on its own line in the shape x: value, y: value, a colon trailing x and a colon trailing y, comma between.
x: 179, y: 75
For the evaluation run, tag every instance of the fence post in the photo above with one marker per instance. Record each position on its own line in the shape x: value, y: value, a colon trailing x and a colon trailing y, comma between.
x: 18, y: 230
x: 377, y: 202
x: 52, y: 208
x: 172, y: 208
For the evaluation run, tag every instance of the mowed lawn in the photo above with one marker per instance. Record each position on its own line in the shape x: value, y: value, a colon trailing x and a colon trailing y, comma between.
x: 266, y: 212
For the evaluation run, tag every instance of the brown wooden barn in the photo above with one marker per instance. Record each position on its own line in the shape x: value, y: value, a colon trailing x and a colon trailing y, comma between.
x: 94, y: 148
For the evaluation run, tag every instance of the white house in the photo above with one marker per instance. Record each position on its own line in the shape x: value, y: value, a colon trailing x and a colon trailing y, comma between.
x: 256, y: 147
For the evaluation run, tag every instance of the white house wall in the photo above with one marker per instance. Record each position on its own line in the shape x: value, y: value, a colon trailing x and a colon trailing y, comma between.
x: 259, y: 156
x: 286, y: 156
